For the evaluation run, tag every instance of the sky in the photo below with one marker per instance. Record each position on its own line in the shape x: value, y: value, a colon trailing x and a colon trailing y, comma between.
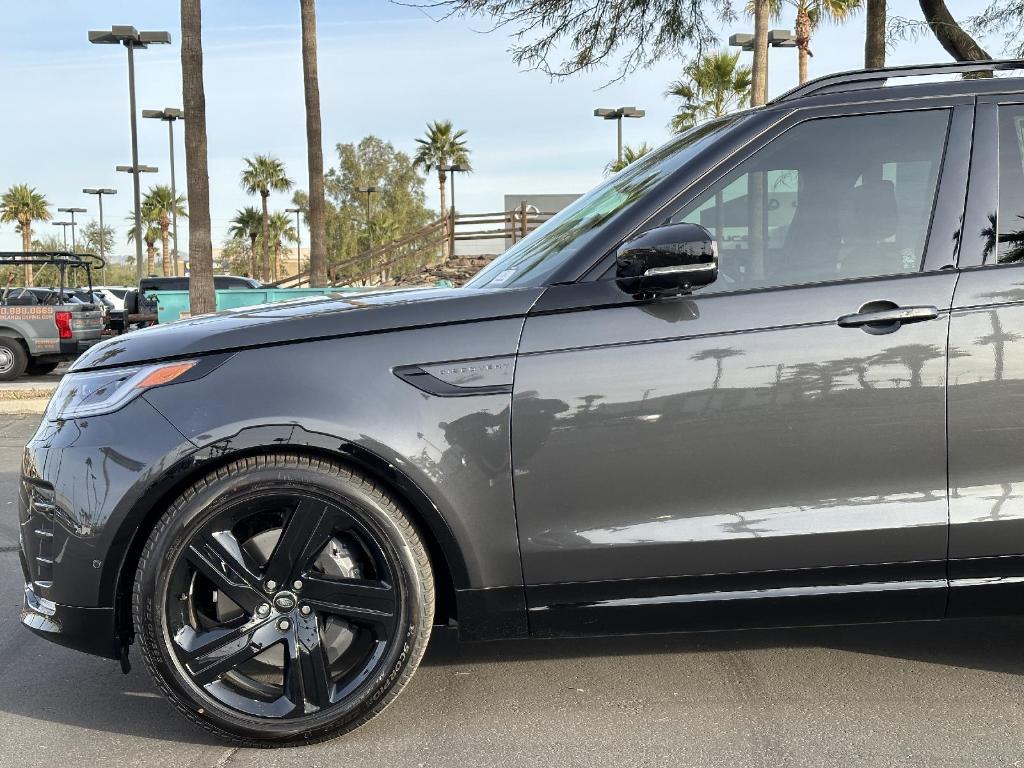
x: 385, y: 69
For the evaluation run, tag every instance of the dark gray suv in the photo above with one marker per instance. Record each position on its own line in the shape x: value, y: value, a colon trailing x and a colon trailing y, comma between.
x: 770, y: 374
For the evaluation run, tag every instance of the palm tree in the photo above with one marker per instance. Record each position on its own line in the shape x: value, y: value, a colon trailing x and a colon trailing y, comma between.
x: 264, y: 174
x: 630, y: 154
x: 202, y: 298
x: 759, y: 61
x: 810, y: 14
x: 158, y: 205
x: 247, y: 222
x: 280, y: 228
x: 874, y: 38
x: 442, y: 146
x: 150, y: 234
x: 316, y: 214
x: 710, y: 87
x: 23, y: 204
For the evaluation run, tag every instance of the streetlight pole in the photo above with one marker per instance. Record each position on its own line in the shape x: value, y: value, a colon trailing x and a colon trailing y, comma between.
x: 298, y: 237
x: 170, y: 115
x: 64, y: 224
x: 368, y: 191
x: 100, y: 192
x: 369, y: 232
x: 757, y: 189
x: 617, y: 114
x: 777, y: 38
x: 72, y: 211
x: 135, y: 170
x: 131, y: 38
x: 452, y: 170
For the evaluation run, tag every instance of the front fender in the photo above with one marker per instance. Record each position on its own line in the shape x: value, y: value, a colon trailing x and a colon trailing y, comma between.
x: 343, y: 395
x: 268, y: 438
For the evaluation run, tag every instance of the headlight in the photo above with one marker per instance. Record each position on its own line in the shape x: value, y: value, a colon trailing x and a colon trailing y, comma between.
x: 80, y: 395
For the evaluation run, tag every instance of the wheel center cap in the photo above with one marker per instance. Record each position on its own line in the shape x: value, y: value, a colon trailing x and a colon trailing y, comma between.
x: 284, y: 601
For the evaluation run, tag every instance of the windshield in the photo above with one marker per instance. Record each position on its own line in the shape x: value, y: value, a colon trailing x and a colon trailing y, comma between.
x: 532, y: 260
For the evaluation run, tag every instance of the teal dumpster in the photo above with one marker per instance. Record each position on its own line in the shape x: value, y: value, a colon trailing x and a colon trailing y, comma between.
x: 174, y: 305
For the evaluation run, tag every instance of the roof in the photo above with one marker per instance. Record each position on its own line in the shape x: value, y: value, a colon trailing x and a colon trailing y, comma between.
x: 864, y: 79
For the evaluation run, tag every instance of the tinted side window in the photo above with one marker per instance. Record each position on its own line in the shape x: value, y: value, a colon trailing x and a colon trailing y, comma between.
x: 232, y: 282
x: 829, y: 199
x: 1010, y: 247
x: 165, y: 284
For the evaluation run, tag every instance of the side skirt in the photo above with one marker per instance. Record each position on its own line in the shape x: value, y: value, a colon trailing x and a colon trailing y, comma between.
x: 843, y: 595
x: 986, y: 586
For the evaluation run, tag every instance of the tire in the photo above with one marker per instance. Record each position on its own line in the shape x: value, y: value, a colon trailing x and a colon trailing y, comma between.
x: 40, y: 369
x: 131, y: 302
x: 212, y: 625
x: 13, y: 359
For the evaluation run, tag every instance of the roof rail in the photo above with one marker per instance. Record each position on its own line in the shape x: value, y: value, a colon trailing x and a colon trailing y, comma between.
x: 57, y: 258
x: 870, y: 78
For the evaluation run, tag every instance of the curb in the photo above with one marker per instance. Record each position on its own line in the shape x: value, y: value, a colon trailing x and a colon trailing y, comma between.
x: 28, y: 405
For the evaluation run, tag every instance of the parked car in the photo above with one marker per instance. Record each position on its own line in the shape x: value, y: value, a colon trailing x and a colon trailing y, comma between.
x: 770, y: 374
x: 220, y: 282
x: 35, y: 297
x: 114, y: 294
x: 41, y: 327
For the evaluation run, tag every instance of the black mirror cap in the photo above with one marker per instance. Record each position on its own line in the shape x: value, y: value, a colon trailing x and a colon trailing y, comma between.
x: 675, y: 258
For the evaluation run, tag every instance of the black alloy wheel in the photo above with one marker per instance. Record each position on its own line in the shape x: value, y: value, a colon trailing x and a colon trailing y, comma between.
x: 283, y: 600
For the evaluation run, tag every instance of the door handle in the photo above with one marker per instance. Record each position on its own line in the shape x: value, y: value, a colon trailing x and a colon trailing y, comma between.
x: 885, y: 317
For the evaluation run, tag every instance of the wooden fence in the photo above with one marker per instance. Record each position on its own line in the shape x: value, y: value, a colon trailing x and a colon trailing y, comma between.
x: 428, y: 246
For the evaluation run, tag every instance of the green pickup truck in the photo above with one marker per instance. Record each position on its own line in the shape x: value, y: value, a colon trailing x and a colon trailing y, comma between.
x: 40, y: 327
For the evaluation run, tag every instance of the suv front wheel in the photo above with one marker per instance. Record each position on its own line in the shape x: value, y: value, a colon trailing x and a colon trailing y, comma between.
x: 283, y: 600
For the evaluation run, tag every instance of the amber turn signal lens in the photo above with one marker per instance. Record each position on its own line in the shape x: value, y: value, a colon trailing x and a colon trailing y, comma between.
x: 165, y: 374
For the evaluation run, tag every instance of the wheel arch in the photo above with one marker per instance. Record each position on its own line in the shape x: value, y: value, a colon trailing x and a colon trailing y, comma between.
x: 447, y: 561
x: 9, y: 332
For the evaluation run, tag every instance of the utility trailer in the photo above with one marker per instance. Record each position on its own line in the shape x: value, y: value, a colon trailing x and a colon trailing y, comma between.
x: 39, y: 332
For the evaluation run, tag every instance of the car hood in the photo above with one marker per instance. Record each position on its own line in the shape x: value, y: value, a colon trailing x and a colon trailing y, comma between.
x: 306, y: 319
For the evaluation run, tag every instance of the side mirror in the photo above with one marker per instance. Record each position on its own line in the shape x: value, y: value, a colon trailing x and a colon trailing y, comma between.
x: 675, y: 258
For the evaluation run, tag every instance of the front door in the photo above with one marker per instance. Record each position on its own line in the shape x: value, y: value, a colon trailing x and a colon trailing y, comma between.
x: 701, y: 461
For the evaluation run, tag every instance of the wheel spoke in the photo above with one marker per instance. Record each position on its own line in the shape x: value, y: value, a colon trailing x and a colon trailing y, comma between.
x: 219, y: 558
x: 307, y: 677
x: 366, y: 602
x: 210, y: 657
x: 303, y: 536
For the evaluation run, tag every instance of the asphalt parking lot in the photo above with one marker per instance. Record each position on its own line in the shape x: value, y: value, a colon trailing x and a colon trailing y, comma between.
x: 907, y: 695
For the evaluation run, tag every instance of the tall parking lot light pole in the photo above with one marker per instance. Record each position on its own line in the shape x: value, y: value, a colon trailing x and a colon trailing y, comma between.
x: 64, y: 224
x: 777, y: 38
x: 72, y: 211
x: 135, y: 170
x: 100, y: 192
x: 298, y: 237
x: 368, y: 191
x: 131, y: 39
x: 169, y: 115
x: 617, y: 114
x: 452, y: 170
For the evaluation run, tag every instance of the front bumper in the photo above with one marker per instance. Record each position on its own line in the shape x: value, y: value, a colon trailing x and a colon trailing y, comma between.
x: 87, y: 486
x: 91, y: 630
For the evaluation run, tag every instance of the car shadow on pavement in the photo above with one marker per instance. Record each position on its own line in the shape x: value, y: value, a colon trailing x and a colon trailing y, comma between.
x: 42, y: 682
x: 982, y: 644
